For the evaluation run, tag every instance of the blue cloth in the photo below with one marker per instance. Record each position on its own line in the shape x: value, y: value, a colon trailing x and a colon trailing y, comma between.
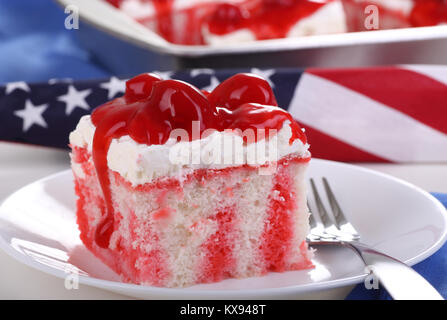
x: 35, y: 46
x: 434, y: 269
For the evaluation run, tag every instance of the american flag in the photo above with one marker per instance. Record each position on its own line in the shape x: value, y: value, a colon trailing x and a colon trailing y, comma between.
x: 381, y: 114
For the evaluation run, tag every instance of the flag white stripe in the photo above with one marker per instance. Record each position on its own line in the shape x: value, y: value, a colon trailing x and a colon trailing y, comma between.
x: 435, y: 72
x: 365, y: 123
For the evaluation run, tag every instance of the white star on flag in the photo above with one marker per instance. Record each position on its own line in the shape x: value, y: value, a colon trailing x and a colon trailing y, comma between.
x: 12, y: 86
x: 74, y: 98
x: 32, y: 115
x: 114, y: 86
x: 57, y: 80
x: 214, y: 82
x: 196, y: 72
x: 266, y: 74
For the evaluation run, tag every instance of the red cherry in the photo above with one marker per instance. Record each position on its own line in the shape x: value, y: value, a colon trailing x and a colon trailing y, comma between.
x: 242, y: 88
x: 116, y: 3
x: 226, y: 18
x: 149, y: 127
x: 107, y: 108
x: 256, y: 116
x: 172, y: 105
x: 180, y: 101
x: 428, y: 13
x: 279, y: 3
x: 140, y: 87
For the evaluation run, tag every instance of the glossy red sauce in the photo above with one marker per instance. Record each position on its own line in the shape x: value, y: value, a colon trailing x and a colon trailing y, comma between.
x: 429, y: 13
x: 152, y: 108
x: 115, y: 3
x: 267, y: 19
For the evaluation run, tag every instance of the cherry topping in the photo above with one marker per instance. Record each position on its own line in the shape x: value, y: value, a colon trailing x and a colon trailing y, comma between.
x: 116, y: 3
x: 242, y: 88
x: 140, y: 87
x: 428, y: 13
x: 255, y: 116
x: 172, y: 105
x: 227, y: 17
x: 266, y: 19
x: 279, y: 3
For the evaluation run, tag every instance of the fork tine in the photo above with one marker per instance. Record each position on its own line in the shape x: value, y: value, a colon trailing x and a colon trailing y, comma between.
x: 339, y: 216
x: 321, y: 210
x: 336, y: 210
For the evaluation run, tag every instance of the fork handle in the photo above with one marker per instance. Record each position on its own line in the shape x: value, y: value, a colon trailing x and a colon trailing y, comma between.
x: 400, y: 280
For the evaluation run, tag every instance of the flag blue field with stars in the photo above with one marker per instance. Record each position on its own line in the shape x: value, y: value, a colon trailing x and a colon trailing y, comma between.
x: 355, y: 115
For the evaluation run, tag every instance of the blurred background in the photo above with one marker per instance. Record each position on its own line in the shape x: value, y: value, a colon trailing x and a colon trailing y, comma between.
x: 41, y: 40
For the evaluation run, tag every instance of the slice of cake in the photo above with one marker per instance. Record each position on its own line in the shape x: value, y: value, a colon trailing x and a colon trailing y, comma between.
x: 178, y: 186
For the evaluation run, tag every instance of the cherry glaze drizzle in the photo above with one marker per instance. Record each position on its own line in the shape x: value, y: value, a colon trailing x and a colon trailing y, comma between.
x: 151, y: 108
x: 266, y: 19
x: 428, y: 13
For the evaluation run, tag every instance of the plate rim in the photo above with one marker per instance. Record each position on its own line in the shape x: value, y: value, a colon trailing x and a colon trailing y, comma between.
x: 125, y: 288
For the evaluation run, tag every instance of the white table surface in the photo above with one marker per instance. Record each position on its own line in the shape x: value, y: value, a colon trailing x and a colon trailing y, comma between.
x: 22, y: 164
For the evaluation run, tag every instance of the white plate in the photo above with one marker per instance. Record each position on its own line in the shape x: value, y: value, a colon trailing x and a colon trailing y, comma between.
x: 38, y: 228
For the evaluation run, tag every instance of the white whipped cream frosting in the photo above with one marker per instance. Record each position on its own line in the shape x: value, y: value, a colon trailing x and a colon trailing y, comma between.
x: 140, y: 163
x: 326, y: 20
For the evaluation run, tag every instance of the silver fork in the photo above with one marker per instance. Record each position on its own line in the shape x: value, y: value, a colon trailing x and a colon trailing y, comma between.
x: 400, y: 280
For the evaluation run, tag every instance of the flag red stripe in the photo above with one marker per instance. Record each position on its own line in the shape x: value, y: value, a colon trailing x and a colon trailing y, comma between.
x: 327, y: 147
x: 418, y: 96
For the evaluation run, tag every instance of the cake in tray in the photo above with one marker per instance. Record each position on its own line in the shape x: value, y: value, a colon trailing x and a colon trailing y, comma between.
x: 224, y: 22
x: 178, y: 186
